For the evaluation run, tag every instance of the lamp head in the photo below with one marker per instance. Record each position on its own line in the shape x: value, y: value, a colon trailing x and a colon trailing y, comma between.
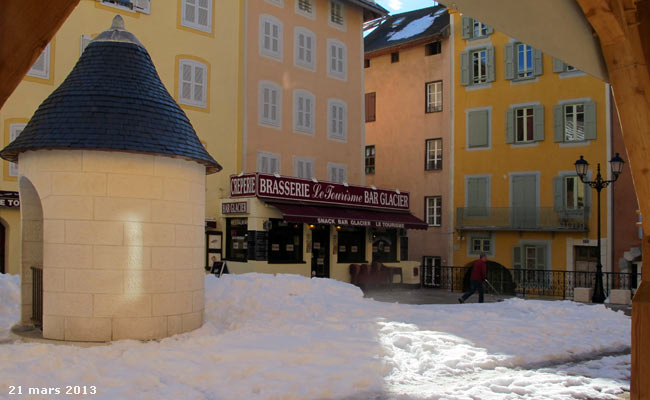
x: 617, y: 165
x: 581, y: 167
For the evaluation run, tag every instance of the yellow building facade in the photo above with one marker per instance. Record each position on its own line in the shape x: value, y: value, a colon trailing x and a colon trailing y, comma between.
x: 520, y: 121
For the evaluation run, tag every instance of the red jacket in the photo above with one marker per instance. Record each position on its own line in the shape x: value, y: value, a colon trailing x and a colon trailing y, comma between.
x: 479, y: 271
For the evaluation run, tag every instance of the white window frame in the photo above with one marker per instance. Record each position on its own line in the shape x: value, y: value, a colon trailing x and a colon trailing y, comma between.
x: 267, y: 120
x: 306, y: 161
x: 482, y: 248
x: 14, y: 130
x: 337, y: 25
x: 367, y: 156
x: 298, y: 31
x: 525, y: 71
x: 482, y: 76
x: 269, y: 156
x: 341, y: 64
x: 578, y: 186
x: 193, y: 64
x: 337, y: 130
x: 44, y: 74
x: 434, y: 97
x: 433, y: 218
x: 434, y: 154
x: 574, y: 118
x: 306, y: 113
x: 278, y: 3
x: 338, y: 167
x: 300, y: 11
x: 525, y: 125
x: 481, y: 28
x: 195, y: 25
x: 268, y: 52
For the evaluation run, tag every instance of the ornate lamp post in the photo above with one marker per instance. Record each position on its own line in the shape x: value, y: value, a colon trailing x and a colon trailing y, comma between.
x: 599, y: 184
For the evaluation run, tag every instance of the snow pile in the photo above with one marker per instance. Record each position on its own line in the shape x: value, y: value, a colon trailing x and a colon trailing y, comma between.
x: 9, y: 303
x: 414, y: 27
x: 291, y: 337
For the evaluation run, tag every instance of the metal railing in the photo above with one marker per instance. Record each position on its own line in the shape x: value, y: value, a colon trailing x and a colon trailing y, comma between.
x: 37, y: 296
x: 528, y: 283
x: 522, y: 218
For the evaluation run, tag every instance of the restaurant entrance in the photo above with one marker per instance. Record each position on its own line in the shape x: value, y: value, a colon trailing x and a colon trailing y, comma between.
x: 320, y: 260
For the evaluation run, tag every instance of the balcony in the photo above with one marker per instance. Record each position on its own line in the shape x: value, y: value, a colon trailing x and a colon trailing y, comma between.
x: 546, y: 219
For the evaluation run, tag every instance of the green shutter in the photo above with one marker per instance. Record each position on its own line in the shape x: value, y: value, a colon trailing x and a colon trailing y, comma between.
x: 538, y: 122
x: 538, y: 62
x: 489, y: 30
x: 478, y: 128
x: 558, y: 122
x: 516, y: 257
x: 558, y: 193
x: 558, y: 65
x: 510, y: 61
x: 464, y: 68
x: 510, y: 125
x: 490, y: 64
x: 590, y: 120
x: 540, y: 255
x: 468, y: 25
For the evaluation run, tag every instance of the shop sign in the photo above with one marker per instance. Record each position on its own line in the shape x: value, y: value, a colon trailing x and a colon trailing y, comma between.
x: 9, y: 199
x: 357, y: 222
x: 240, y: 207
x: 287, y: 188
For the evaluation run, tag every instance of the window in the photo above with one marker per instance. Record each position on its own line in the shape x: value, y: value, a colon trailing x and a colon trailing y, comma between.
x: 525, y: 124
x: 366, y: 63
x: 574, y: 191
x: 270, y: 104
x: 384, y: 245
x: 303, y: 111
x: 370, y: 160
x: 237, y: 239
x: 478, y: 129
x: 336, y: 120
x: 477, y: 66
x: 433, y: 212
x: 479, y: 29
x: 529, y: 261
x: 337, y: 13
x: 279, y: 3
x: 41, y: 67
x: 434, y: 96
x: 306, y: 8
x: 285, y: 242
x: 433, y: 48
x: 353, y: 241
x: 570, y: 195
x: 193, y: 83
x: 304, y: 53
x: 303, y: 167
x: 575, y: 122
x: 197, y: 14
x: 336, y: 54
x: 14, y: 131
x: 522, y: 61
x: 480, y: 244
x: 270, y: 37
x: 268, y: 163
x: 85, y: 41
x: 474, y: 29
x: 434, y: 154
x: 477, y: 196
x: 560, y: 67
x: 371, y: 102
x: 394, y: 57
x: 337, y: 173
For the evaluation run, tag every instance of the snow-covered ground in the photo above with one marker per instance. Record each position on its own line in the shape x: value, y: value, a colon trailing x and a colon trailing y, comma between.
x: 290, y: 337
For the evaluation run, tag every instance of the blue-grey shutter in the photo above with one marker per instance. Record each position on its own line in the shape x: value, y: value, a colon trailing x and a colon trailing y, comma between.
x: 489, y: 30
x: 478, y: 122
x: 538, y: 122
x: 516, y: 257
x: 464, y: 68
x: 490, y: 65
x: 590, y: 120
x: 558, y: 123
x: 510, y: 61
x: 558, y: 193
x: 538, y: 62
x: 558, y: 65
x: 477, y: 193
x: 468, y: 25
x: 510, y: 125
x: 540, y: 261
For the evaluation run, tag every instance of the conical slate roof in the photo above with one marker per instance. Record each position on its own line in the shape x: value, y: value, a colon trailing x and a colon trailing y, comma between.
x: 113, y: 100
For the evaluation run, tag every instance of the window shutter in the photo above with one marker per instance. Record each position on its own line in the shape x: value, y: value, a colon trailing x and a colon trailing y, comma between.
x: 510, y: 125
x: 516, y: 257
x: 558, y: 123
x: 308, y: 113
x: 370, y: 107
x: 538, y: 122
x: 478, y: 128
x: 558, y: 193
x: 464, y: 68
x: 590, y: 120
x: 538, y: 62
x: 540, y: 257
x: 510, y: 61
x: 467, y: 27
x: 308, y: 172
x: 264, y: 163
x: 143, y: 6
x: 489, y: 30
x: 490, y: 64
x: 342, y: 175
x: 558, y: 65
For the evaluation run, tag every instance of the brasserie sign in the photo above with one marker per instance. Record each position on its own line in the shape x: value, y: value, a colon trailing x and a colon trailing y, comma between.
x: 288, y: 188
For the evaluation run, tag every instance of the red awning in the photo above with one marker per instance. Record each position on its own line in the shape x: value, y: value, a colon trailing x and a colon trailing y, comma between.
x: 311, y: 214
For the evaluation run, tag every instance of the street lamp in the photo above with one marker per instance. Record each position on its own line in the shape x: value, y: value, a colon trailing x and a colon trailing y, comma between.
x: 616, y: 163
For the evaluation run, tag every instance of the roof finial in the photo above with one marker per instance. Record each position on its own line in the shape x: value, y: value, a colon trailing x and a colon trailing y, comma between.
x: 118, y: 23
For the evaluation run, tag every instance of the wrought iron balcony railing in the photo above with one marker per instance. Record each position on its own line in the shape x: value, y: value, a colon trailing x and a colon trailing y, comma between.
x: 522, y: 219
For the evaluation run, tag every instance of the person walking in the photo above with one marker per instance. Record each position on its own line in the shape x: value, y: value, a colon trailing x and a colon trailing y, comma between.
x: 479, y: 273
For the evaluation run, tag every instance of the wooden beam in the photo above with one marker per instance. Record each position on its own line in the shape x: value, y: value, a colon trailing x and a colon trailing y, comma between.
x: 26, y: 27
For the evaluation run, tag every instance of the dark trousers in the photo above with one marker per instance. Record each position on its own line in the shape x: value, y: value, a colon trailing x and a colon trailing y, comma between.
x: 474, y: 286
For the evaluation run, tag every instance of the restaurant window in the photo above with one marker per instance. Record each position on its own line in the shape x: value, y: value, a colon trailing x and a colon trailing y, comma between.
x: 236, y: 239
x: 384, y: 245
x: 352, y: 245
x: 370, y: 160
x: 285, y: 242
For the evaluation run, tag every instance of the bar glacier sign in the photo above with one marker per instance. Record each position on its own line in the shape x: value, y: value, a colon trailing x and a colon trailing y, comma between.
x: 287, y: 188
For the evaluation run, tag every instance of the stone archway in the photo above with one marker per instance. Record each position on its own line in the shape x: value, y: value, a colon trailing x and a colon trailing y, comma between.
x: 499, y: 276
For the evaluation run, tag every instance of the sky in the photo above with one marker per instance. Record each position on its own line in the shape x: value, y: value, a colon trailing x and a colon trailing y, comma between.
x: 400, y: 6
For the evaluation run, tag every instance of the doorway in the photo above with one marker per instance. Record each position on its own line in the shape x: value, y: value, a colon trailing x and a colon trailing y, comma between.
x: 320, y: 246
x: 431, y: 271
x: 585, y: 262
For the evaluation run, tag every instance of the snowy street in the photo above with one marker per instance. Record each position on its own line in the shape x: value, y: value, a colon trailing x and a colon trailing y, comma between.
x: 290, y: 337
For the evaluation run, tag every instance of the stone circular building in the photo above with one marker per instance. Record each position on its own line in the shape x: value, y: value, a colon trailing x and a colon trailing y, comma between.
x: 112, y: 184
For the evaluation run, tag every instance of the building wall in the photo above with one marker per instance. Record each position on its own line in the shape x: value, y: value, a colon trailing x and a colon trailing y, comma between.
x: 545, y: 158
x: 399, y: 135
x: 283, y: 140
